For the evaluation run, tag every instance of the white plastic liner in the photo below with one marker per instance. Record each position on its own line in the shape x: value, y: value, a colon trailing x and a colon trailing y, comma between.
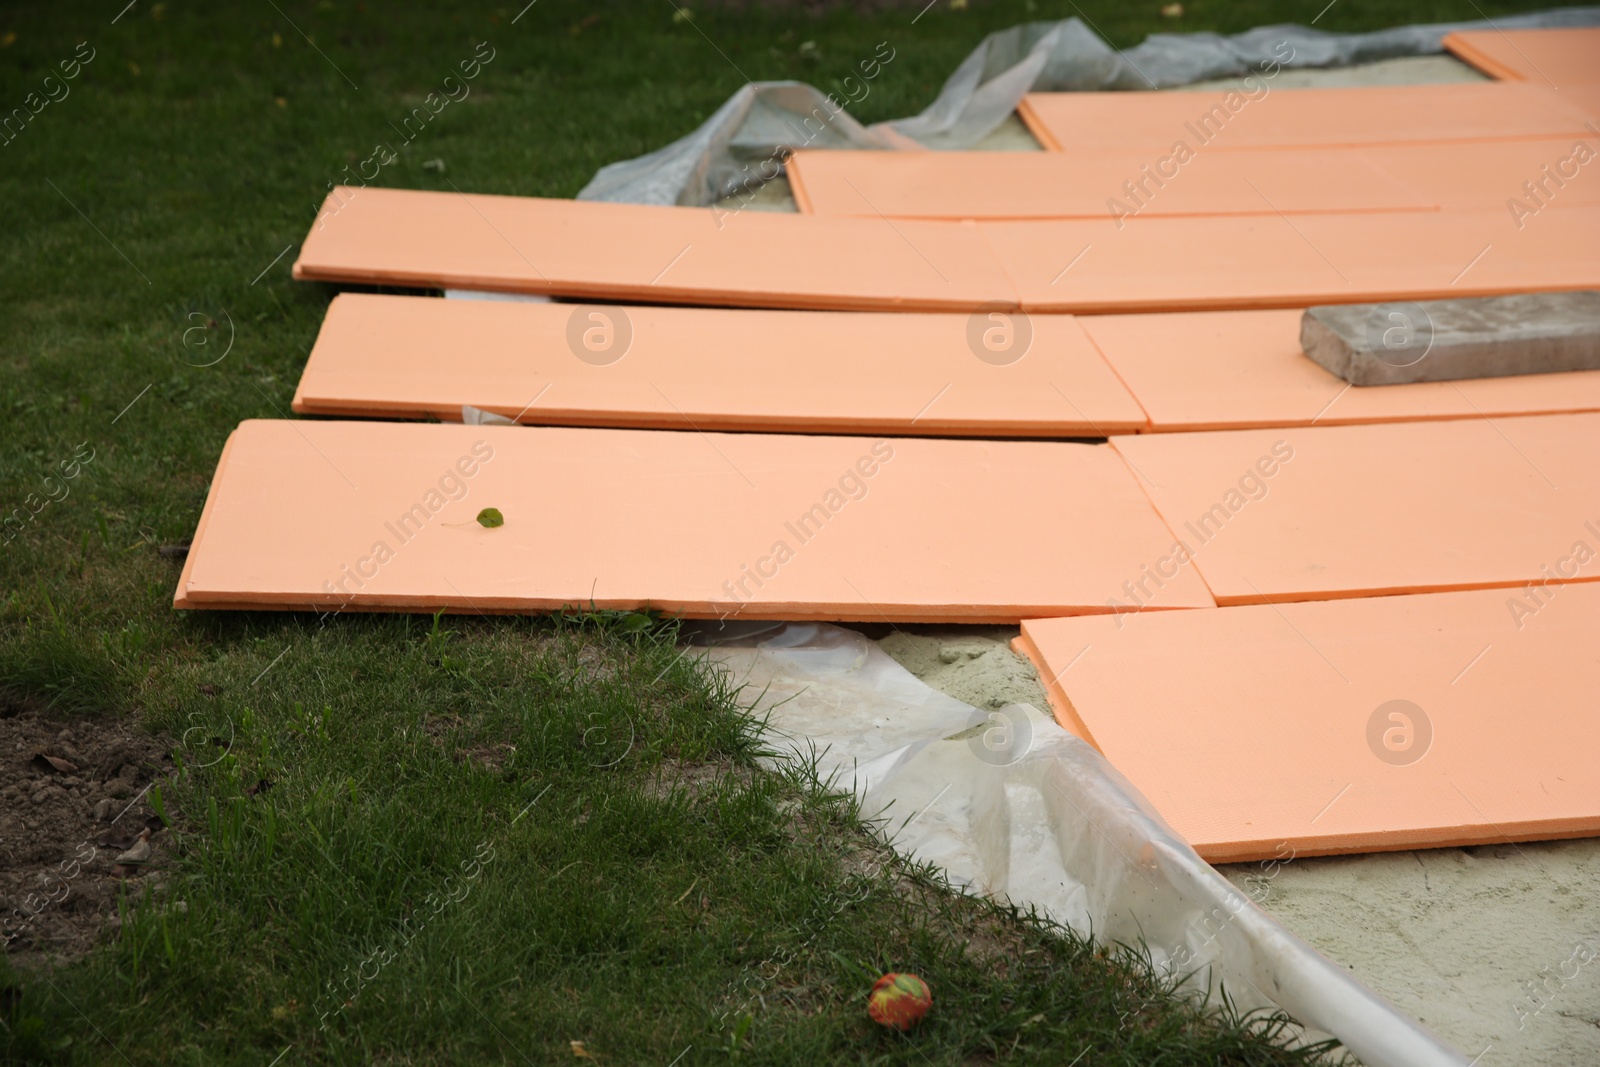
x: 483, y: 294
x: 746, y: 141
x: 741, y: 146
x: 1012, y: 806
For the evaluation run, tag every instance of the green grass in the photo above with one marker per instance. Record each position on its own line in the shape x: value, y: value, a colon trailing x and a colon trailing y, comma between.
x: 473, y: 851
x: 394, y: 876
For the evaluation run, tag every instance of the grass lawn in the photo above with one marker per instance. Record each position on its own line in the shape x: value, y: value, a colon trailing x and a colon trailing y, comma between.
x: 402, y: 838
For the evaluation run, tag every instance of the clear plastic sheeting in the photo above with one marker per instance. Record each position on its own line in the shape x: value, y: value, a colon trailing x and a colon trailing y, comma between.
x: 483, y: 294
x: 1012, y: 806
x: 741, y: 146
x: 474, y: 416
x: 745, y: 142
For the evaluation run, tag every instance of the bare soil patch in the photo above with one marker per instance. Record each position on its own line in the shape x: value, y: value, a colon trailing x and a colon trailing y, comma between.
x: 73, y: 798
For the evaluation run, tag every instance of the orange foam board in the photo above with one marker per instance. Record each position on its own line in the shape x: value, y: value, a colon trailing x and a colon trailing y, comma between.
x: 1319, y: 513
x: 1539, y: 172
x: 380, y: 516
x: 714, y: 368
x: 1266, y: 732
x: 1022, y: 185
x: 1232, y: 370
x: 1472, y: 175
x: 1223, y: 120
x: 1556, y: 57
x: 644, y: 253
x: 1221, y: 262
x: 1584, y: 98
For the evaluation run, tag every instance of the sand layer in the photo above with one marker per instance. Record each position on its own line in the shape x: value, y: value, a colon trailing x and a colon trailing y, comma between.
x: 1485, y: 946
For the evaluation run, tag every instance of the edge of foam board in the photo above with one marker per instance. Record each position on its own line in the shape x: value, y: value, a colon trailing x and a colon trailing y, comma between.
x: 235, y: 581
x: 1467, y: 835
x: 1460, y: 47
x: 1066, y: 715
x: 343, y: 376
x: 1476, y: 828
x: 1036, y: 126
x: 180, y: 598
x: 797, y: 189
x: 367, y: 253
